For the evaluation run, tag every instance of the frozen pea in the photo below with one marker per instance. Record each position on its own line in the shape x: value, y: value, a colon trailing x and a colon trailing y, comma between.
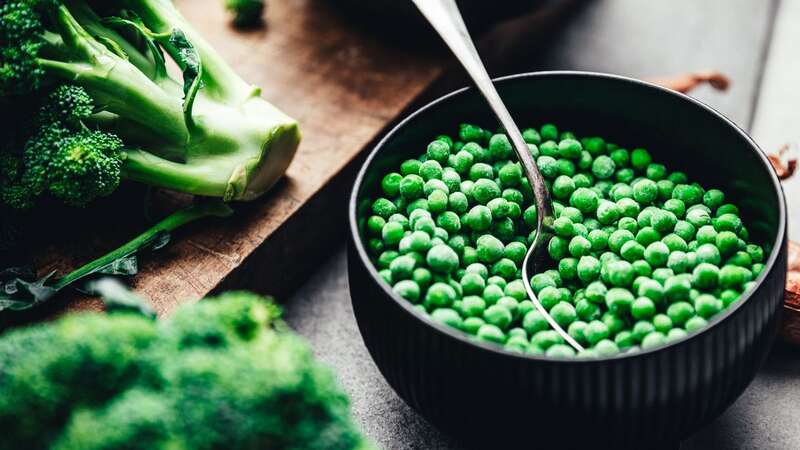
x: 656, y: 254
x: 588, y: 268
x: 680, y: 312
x: 653, y: 340
x: 439, y: 295
x: 595, y: 332
x: 643, y: 308
x: 408, y: 289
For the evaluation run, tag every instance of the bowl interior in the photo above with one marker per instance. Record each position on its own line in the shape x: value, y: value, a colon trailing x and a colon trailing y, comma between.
x: 680, y: 132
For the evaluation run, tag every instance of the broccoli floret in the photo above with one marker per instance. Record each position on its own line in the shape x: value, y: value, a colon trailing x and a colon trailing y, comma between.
x: 47, y: 371
x: 63, y: 157
x: 224, y: 373
x: 246, y: 13
x: 139, y: 419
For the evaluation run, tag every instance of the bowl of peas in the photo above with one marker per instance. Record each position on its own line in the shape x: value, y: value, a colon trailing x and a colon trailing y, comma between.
x: 667, y: 264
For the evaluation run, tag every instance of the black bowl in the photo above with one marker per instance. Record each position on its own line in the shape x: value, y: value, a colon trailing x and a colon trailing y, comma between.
x: 490, y: 398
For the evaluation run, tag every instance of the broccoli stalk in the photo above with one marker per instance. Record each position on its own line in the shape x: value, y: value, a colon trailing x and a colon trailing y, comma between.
x: 210, y: 134
x: 153, y: 236
x: 25, y: 292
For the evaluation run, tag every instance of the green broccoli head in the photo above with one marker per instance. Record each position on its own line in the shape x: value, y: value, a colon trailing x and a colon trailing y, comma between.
x: 221, y: 321
x: 85, y: 166
x: 47, y: 371
x: 139, y: 419
x: 226, y: 398
x: 63, y: 158
x: 21, y: 34
x: 219, y: 374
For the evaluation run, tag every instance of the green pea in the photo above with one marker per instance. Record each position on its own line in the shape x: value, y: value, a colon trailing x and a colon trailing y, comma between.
x: 492, y: 292
x: 665, y: 189
x: 408, y: 289
x: 563, y: 313
x: 675, y: 334
x: 640, y: 158
x: 438, y: 150
x: 579, y: 246
x: 688, y: 193
x: 677, y: 288
x: 505, y: 268
x: 442, y: 259
x: 618, y: 239
x: 653, y: 340
x: 625, y: 175
x: 546, y: 338
x: 471, y: 325
x: 641, y: 329
x: 531, y: 136
x: 595, y: 332
x: 727, y: 242
x: 549, y: 132
x: 596, y: 292
x: 685, y: 230
x: 643, y: 308
x: 707, y: 306
x: 727, y: 209
x: 619, y: 300
x: 439, y: 295
x: 733, y: 276
x: 603, y: 167
x: 680, y: 312
x: 656, y: 254
x: 585, y: 200
x: 510, y: 175
x: 656, y: 172
x: 713, y: 198
x: 645, y: 191
x: 662, y: 323
x: 695, y: 324
x: 607, y: 212
x: 491, y: 333
x: 530, y: 216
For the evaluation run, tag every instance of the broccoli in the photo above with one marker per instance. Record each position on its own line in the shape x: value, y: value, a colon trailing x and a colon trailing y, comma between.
x: 224, y: 373
x: 120, y: 114
x: 94, y: 104
x: 246, y: 13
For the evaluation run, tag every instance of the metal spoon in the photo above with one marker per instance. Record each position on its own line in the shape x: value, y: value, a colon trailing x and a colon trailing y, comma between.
x: 446, y: 18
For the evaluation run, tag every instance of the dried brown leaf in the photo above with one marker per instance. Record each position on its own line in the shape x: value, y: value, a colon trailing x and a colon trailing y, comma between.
x: 689, y: 81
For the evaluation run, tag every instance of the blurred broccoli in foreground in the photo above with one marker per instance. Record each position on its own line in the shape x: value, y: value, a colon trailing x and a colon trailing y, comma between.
x: 246, y: 13
x: 224, y: 373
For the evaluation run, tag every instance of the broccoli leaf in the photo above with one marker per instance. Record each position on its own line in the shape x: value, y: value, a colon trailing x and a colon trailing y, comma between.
x: 189, y: 60
x: 21, y: 289
x: 118, y: 297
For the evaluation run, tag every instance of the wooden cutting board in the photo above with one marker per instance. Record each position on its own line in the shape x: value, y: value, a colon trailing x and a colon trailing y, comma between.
x: 344, y: 87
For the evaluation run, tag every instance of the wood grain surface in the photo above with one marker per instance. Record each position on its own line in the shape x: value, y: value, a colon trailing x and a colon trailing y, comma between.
x: 341, y: 85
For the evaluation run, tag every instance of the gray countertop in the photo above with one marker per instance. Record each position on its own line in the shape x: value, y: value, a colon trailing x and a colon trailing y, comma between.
x: 752, y: 41
x: 765, y: 417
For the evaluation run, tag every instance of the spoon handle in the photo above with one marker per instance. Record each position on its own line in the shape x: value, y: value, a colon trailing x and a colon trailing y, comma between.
x: 446, y: 18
